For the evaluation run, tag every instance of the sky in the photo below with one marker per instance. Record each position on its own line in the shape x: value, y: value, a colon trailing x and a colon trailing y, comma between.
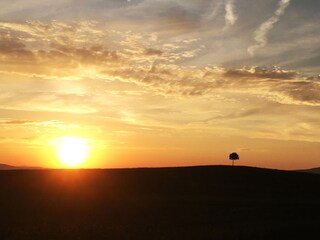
x: 152, y: 83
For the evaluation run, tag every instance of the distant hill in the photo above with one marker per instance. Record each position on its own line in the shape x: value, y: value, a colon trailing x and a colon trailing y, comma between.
x: 9, y: 167
x: 207, y: 202
x: 311, y: 170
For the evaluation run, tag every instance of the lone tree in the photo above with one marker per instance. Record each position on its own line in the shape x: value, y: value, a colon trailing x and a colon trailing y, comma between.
x: 233, y: 156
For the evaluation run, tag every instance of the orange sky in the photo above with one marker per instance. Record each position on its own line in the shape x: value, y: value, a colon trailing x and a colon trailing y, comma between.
x: 160, y: 83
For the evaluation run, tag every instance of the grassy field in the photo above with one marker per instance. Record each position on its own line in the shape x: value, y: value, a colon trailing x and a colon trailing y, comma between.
x: 211, y: 202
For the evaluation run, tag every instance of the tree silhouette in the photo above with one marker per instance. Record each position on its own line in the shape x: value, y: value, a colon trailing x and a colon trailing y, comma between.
x: 233, y: 156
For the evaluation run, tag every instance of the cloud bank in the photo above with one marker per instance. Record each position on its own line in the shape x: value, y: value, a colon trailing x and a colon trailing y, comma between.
x: 136, y: 79
x: 66, y: 52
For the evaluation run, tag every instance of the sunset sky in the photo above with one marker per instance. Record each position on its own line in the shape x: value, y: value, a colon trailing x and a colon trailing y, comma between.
x: 151, y: 83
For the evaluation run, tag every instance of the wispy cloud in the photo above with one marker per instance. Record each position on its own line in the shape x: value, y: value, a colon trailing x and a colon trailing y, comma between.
x: 4, y: 121
x: 231, y: 16
x: 260, y: 34
x: 215, y: 8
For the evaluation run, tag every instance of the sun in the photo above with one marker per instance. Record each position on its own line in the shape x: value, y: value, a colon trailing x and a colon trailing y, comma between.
x: 72, y: 151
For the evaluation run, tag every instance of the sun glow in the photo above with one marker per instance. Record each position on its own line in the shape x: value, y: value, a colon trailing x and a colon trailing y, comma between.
x: 72, y: 151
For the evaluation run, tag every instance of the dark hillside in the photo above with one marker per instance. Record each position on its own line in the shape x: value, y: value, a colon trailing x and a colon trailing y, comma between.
x: 211, y: 202
x: 311, y: 170
x: 7, y: 167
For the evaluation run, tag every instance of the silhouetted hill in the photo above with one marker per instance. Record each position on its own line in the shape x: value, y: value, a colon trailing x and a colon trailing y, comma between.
x: 210, y: 202
x: 311, y: 170
x: 9, y: 167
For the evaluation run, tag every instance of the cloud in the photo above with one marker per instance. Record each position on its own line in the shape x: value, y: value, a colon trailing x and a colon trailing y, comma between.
x: 299, y: 91
x: 261, y: 72
x: 14, y: 122
x: 260, y: 34
x: 59, y: 49
x: 33, y: 132
x: 47, y: 66
x: 215, y: 9
x: 29, y: 122
x: 230, y: 16
x: 48, y: 101
x: 271, y: 83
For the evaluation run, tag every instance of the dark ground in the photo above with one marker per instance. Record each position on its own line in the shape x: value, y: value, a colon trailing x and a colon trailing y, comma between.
x: 216, y: 202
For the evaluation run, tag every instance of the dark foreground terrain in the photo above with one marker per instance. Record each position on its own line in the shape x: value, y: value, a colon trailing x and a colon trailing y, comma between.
x: 217, y: 202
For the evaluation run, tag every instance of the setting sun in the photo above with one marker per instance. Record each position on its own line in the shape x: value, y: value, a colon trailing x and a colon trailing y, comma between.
x: 72, y: 151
